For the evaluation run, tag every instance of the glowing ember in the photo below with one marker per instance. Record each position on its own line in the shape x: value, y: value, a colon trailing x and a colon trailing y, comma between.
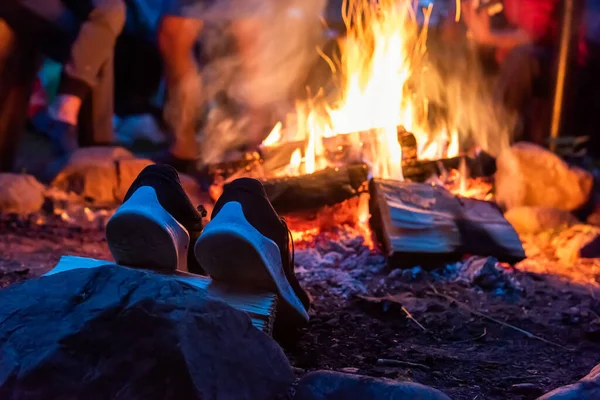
x: 383, y: 49
x: 349, y: 217
x: 477, y: 188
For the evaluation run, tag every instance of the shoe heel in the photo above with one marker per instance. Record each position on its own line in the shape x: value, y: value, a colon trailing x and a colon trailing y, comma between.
x: 231, y: 250
x: 142, y: 234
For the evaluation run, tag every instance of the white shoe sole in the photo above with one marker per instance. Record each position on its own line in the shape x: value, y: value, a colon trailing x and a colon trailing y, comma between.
x: 231, y: 250
x: 142, y: 234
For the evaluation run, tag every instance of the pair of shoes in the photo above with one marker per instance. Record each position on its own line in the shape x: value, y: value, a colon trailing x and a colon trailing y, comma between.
x: 245, y: 244
x: 64, y: 136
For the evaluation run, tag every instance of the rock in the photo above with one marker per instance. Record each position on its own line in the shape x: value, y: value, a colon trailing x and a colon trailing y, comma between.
x: 113, y: 332
x: 322, y: 385
x: 102, y: 175
x: 127, y: 171
x: 101, y: 155
x: 529, y: 175
x: 529, y: 220
x: 579, y: 241
x: 20, y: 194
x: 481, y: 271
x: 588, y: 388
x: 92, y: 173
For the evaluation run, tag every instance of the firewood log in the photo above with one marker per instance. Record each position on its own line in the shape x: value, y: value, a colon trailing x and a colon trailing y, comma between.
x: 322, y: 188
x: 420, y: 224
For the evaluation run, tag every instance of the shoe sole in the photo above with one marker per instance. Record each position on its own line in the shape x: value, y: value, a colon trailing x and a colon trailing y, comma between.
x: 142, y: 234
x: 231, y: 250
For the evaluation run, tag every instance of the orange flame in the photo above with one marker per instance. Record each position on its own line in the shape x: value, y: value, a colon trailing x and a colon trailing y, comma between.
x: 383, y: 49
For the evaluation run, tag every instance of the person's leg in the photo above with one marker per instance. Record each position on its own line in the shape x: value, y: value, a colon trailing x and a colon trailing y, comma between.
x: 89, y: 31
x: 176, y: 38
x: 19, y: 62
x: 96, y: 115
x: 515, y: 88
x: 91, y: 50
x: 517, y: 74
x: 590, y: 113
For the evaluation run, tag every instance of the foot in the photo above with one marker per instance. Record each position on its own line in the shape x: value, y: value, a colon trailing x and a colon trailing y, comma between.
x: 64, y: 136
x: 155, y: 225
x: 248, y: 244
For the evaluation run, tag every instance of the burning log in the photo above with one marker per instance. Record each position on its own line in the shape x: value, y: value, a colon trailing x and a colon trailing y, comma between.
x: 322, y: 188
x: 235, y: 162
x: 259, y: 306
x: 421, y: 224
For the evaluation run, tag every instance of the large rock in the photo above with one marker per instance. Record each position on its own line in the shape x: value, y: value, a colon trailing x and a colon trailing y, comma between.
x: 529, y: 175
x: 528, y: 220
x: 92, y: 173
x: 579, y: 241
x: 20, y: 194
x: 588, y: 388
x: 127, y: 171
x: 103, y: 175
x: 325, y: 385
x: 118, y: 333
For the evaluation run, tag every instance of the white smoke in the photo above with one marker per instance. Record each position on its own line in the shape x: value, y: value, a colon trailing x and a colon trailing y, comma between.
x: 279, y: 39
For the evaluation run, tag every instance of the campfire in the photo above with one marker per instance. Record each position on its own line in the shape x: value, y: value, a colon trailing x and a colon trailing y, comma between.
x: 433, y: 251
x: 374, y: 105
x: 379, y: 121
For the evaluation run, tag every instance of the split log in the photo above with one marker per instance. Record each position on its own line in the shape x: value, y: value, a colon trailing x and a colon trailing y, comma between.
x: 322, y: 188
x: 259, y: 306
x: 421, y: 224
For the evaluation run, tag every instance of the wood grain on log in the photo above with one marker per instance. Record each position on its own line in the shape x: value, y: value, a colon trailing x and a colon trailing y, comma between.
x: 259, y: 306
x: 421, y: 224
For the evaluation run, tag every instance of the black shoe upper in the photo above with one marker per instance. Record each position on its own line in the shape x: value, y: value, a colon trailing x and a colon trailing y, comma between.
x: 259, y: 212
x: 164, y: 179
x: 185, y: 166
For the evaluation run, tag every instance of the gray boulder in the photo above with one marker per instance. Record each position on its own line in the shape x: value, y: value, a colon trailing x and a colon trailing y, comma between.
x: 118, y: 333
x: 328, y: 385
x: 529, y: 175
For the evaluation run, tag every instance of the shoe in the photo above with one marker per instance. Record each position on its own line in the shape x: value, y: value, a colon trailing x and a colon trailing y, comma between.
x: 64, y: 136
x: 185, y: 166
x: 154, y: 226
x: 246, y: 243
x: 180, y: 164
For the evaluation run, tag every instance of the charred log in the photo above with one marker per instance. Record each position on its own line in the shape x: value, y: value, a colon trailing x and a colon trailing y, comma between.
x: 322, y: 188
x: 420, y: 224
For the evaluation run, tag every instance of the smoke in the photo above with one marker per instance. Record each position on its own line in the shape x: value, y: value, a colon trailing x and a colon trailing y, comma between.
x: 459, y: 95
x: 252, y: 87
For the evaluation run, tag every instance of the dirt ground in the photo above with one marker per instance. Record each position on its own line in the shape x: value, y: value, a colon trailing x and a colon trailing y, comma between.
x: 465, y: 349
